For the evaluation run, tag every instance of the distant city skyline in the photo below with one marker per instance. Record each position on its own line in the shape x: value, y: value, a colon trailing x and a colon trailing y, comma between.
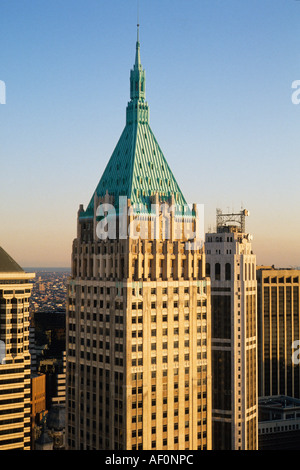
x: 220, y: 82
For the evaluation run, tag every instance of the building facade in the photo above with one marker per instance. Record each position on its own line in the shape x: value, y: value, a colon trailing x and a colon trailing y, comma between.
x: 278, y: 331
x: 60, y: 397
x: 38, y: 404
x: 231, y: 265
x: 15, y: 396
x: 138, y: 313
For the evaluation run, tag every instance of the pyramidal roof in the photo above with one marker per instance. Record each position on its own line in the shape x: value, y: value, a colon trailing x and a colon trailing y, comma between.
x: 137, y: 168
x: 7, y: 264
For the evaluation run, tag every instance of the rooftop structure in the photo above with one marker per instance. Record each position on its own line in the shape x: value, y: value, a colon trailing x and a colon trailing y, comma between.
x: 232, y: 222
x: 137, y: 168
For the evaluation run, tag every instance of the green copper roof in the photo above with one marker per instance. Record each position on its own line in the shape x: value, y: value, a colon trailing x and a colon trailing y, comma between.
x: 137, y: 168
x: 7, y: 264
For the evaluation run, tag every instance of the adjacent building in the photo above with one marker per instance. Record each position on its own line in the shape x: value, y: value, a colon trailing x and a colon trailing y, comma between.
x: 231, y: 265
x: 278, y: 331
x: 138, y: 313
x: 279, y: 423
x: 38, y: 404
x: 59, y: 398
x: 15, y: 393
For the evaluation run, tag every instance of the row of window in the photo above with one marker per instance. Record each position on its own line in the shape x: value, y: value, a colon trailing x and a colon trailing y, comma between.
x: 217, y: 271
x: 139, y: 361
x: 136, y: 305
x: 280, y: 280
x: 135, y: 319
x: 136, y: 291
x: 219, y: 239
x: 249, y: 271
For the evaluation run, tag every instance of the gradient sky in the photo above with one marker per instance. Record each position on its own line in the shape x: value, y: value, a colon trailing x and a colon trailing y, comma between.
x: 219, y: 85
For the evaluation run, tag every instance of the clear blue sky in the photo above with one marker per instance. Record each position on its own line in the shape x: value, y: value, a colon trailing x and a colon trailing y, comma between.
x: 219, y: 76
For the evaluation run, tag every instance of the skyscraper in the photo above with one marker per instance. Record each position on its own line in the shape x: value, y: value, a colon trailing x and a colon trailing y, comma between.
x: 15, y: 406
x: 138, y: 314
x: 278, y: 331
x: 231, y: 265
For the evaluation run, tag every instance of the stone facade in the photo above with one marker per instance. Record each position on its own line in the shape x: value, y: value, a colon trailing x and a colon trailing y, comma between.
x: 231, y: 266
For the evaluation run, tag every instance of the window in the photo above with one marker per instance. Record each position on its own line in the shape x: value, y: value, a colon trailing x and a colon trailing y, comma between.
x: 207, y: 269
x: 217, y: 272
x: 227, y: 272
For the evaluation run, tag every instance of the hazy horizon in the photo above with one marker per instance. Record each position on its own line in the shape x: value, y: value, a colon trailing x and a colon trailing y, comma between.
x: 46, y: 268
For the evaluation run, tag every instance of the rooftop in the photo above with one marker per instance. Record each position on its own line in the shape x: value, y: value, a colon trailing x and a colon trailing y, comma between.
x: 137, y: 168
x: 279, y: 402
x: 7, y: 264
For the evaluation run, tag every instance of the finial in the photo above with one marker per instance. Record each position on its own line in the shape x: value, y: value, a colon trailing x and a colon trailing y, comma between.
x: 138, y: 21
x: 137, y: 56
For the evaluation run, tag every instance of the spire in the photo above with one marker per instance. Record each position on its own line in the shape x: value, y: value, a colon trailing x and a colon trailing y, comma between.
x: 137, y: 54
x: 138, y: 64
x: 138, y: 20
x: 137, y: 74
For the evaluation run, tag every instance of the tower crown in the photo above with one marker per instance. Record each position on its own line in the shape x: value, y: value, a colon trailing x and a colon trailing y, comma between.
x: 137, y: 168
x: 137, y: 108
x: 137, y: 75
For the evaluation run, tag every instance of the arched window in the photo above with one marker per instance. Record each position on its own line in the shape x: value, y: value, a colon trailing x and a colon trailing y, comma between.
x: 136, y: 269
x: 199, y: 268
x: 207, y: 269
x: 217, y: 272
x: 246, y: 272
x: 227, y: 272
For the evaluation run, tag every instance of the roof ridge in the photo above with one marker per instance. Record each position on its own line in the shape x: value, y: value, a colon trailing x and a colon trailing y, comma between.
x: 133, y: 156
